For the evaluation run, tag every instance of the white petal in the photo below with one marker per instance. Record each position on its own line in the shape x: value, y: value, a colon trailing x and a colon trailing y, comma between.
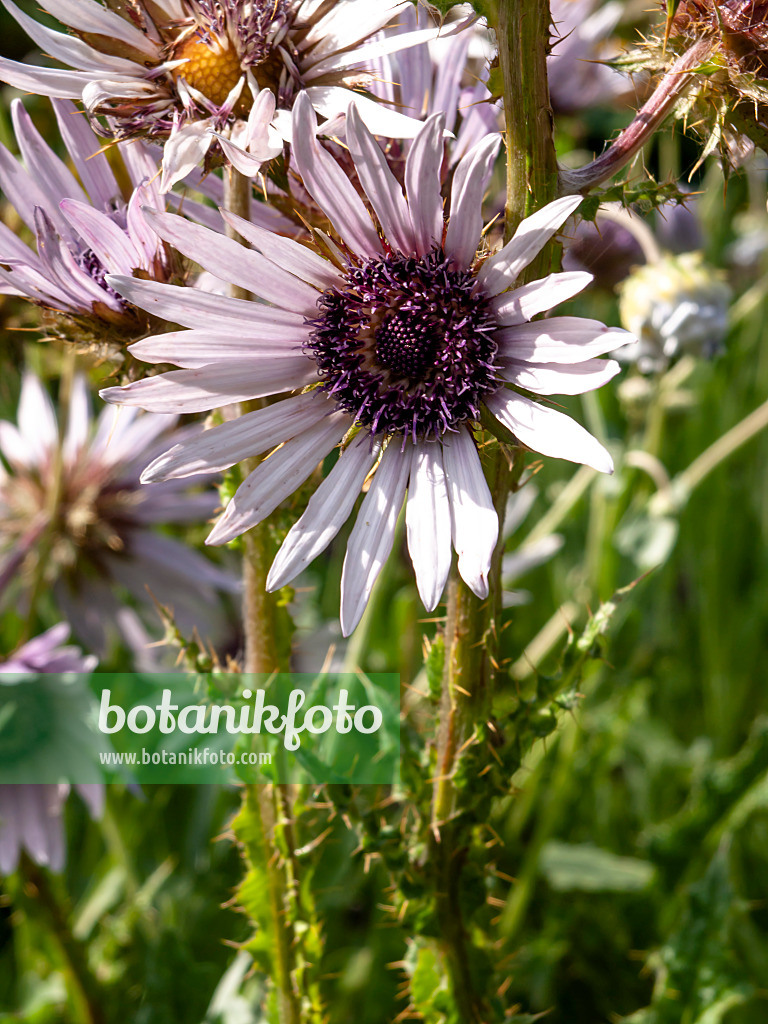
x: 428, y: 519
x: 78, y: 419
x: 422, y: 184
x: 560, y: 339
x: 37, y: 417
x: 500, y: 270
x: 277, y: 477
x: 251, y: 434
x: 42, y: 163
x: 191, y: 307
x: 373, y: 533
x: 524, y: 303
x: 63, y: 85
x: 84, y: 148
x: 112, y: 246
x: 328, y: 184
x: 547, y: 431
x: 380, y: 185
x: 183, y: 152
x: 89, y: 16
x: 558, y: 379
x: 288, y: 254
x: 210, y: 386
x: 327, y: 511
x: 474, y: 523
x: 470, y: 181
x: 333, y: 100
x: 198, y: 348
x: 235, y: 263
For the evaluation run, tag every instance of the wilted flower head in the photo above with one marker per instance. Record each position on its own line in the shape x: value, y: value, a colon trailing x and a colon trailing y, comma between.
x: 31, y: 815
x: 726, y: 99
x: 82, y: 232
x: 675, y: 305
x: 399, y: 342
x: 213, y: 73
x: 73, y: 516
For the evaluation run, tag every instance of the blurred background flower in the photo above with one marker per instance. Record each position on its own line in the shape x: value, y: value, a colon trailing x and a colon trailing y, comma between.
x: 75, y: 521
x: 31, y: 814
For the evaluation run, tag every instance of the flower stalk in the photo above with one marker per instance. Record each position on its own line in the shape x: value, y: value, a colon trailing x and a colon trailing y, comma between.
x: 646, y: 122
x: 472, y: 626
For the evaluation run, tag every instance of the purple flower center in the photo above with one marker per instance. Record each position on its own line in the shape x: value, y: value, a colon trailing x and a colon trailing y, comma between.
x: 408, y: 346
x: 95, y: 269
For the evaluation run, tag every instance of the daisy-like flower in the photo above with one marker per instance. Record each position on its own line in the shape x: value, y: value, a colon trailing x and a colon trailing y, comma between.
x: 74, y: 516
x: 31, y: 815
x: 82, y: 232
x: 221, y: 73
x: 398, y: 343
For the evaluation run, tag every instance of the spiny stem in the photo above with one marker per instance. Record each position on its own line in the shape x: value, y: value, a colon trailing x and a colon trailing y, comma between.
x: 644, y: 124
x: 269, y: 803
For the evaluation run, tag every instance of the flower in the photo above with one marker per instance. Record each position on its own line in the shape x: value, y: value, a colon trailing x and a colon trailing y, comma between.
x: 675, y: 305
x: 199, y: 72
x: 81, y: 233
x: 31, y: 815
x: 399, y: 342
x: 577, y: 79
x: 74, y: 518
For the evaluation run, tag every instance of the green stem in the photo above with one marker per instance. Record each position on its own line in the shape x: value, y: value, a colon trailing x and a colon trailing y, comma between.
x: 261, y: 624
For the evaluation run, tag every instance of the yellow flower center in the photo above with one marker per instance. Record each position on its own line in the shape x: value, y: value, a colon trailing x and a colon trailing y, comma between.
x: 213, y: 71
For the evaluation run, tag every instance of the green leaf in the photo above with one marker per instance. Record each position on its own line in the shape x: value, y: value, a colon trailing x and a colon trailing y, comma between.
x: 585, y: 868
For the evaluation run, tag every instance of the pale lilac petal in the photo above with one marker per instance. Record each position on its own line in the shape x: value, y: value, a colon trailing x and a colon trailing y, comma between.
x: 37, y: 418
x: 526, y: 302
x: 339, y: 29
x: 63, y: 85
x: 93, y: 795
x: 198, y: 390
x: 470, y: 180
x: 327, y: 511
x: 277, y: 477
x: 251, y: 434
x: 557, y: 379
x: 234, y: 263
x: 63, y: 266
x: 243, y: 161
x: 112, y: 246
x: 141, y: 234
x: 500, y: 270
x: 380, y: 184
x: 191, y: 349
x: 560, y: 339
x: 428, y: 520
x: 43, y: 165
x: 184, y: 150
x: 328, y: 184
x: 191, y: 307
x: 547, y: 431
x: 373, y: 533
x: 422, y: 184
x: 287, y: 253
x: 84, y: 148
x: 474, y: 523
x: 25, y: 195
x: 16, y: 448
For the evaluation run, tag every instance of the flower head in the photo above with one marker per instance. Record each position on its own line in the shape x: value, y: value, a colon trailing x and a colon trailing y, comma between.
x: 400, y: 341
x: 82, y: 232
x: 675, y: 305
x: 214, y: 75
x: 74, y: 517
x: 31, y: 815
